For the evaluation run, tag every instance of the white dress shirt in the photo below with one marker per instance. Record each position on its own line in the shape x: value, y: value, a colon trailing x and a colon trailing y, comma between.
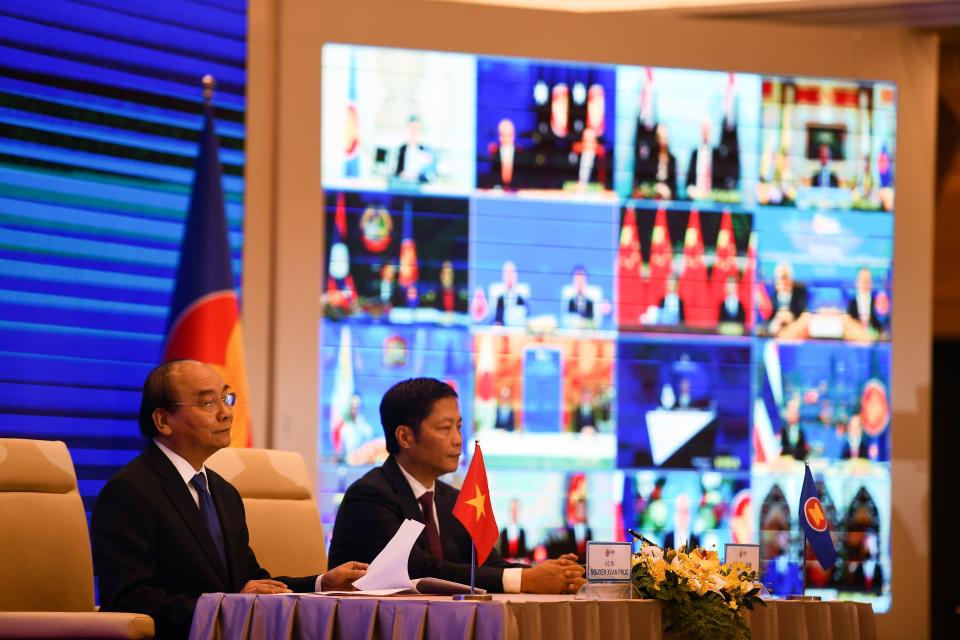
x: 704, y: 170
x: 511, y: 577
x: 863, y: 306
x: 186, y: 471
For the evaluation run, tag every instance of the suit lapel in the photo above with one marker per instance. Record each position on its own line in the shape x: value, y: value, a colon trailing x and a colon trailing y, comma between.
x: 408, y: 502
x: 179, y: 495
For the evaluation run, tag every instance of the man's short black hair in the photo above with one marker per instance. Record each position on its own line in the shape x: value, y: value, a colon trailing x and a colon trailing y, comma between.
x: 156, y: 395
x: 409, y: 403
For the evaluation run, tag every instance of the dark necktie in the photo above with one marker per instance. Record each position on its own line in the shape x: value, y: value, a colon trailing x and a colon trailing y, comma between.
x: 208, y: 511
x: 433, y: 535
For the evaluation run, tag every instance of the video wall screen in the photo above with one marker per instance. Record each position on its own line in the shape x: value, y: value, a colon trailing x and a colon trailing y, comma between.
x: 658, y: 292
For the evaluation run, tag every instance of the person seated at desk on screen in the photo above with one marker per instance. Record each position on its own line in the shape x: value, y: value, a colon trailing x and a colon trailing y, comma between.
x: 731, y: 311
x: 793, y: 441
x: 591, y: 159
x: 862, y: 307
x: 824, y: 177
x: 165, y: 529
x: 580, y: 303
x: 510, y: 308
x: 671, y: 306
x: 421, y: 424
x: 506, y: 419
x: 507, y: 160
x: 790, y: 299
x: 415, y: 160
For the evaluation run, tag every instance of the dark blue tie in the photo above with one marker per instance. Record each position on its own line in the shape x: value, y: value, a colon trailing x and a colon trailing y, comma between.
x: 208, y: 511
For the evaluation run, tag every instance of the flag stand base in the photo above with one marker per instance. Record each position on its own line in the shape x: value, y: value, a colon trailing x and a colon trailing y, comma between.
x: 473, y: 597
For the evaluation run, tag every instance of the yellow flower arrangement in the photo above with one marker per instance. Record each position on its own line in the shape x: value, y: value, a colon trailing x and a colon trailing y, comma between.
x: 703, y: 598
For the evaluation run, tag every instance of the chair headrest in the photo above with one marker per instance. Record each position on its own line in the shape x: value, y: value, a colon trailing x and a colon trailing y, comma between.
x: 264, y: 473
x: 39, y: 466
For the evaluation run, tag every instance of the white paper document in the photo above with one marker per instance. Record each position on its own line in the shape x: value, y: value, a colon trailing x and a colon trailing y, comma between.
x: 389, y: 569
x: 388, y: 574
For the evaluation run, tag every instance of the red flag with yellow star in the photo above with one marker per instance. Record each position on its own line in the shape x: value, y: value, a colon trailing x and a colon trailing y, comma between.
x: 474, y: 509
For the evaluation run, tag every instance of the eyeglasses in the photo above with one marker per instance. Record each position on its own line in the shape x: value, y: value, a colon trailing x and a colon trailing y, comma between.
x: 211, y: 406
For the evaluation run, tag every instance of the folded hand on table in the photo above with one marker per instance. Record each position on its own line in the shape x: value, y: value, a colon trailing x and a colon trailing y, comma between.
x: 560, y: 575
x: 265, y: 586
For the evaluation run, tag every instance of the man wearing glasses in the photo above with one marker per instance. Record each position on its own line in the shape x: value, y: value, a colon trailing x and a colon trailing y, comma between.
x: 165, y: 528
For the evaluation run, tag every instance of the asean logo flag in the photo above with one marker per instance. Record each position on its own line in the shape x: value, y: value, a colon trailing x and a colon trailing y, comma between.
x: 474, y: 510
x: 813, y: 519
x: 204, y: 320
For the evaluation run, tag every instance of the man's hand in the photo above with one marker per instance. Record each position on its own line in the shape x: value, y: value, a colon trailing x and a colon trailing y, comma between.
x: 562, y: 575
x: 265, y: 586
x: 342, y: 578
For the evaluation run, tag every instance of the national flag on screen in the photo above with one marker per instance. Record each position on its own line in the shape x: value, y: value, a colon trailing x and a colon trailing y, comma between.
x: 204, y: 320
x: 661, y: 259
x: 474, y: 509
x: 766, y: 406
x: 351, y: 166
x: 813, y: 520
x: 343, y: 389
x: 747, y: 282
x: 725, y: 264
x: 631, y: 286
x: 646, y: 99
x: 409, y: 270
x: 341, y: 290
x: 692, y: 285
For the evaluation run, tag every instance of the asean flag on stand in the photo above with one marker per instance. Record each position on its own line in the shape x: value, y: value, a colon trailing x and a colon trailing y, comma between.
x: 474, y: 509
x: 813, y: 520
x: 204, y: 320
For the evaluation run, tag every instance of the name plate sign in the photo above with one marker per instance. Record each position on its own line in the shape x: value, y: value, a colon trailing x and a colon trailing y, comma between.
x: 608, y: 561
x: 749, y: 554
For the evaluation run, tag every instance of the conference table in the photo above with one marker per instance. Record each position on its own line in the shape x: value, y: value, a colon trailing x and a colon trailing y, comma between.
x: 506, y: 617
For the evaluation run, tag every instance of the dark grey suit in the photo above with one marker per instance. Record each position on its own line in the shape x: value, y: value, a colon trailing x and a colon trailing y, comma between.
x: 376, y: 505
x: 152, y: 551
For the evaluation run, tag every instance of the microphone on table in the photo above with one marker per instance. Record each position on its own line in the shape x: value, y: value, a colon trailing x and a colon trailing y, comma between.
x: 642, y: 538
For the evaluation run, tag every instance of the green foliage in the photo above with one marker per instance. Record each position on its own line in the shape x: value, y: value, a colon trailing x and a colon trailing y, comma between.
x: 714, y: 613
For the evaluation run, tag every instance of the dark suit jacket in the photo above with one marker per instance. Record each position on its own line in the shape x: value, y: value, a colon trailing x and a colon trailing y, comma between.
x: 862, y: 450
x: 587, y: 312
x: 500, y: 310
x: 580, y: 421
x: 679, y: 307
x: 506, y: 420
x: 798, y: 450
x: 737, y: 316
x: 153, y: 553
x: 598, y: 172
x: 671, y: 180
x: 424, y: 175
x: 645, y: 154
x: 372, y: 511
x: 853, y: 310
x: 670, y: 541
x: 798, y: 300
x: 831, y: 176
x: 494, y: 178
x: 715, y: 181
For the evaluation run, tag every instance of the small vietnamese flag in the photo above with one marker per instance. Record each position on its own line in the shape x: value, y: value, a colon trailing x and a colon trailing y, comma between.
x: 474, y: 509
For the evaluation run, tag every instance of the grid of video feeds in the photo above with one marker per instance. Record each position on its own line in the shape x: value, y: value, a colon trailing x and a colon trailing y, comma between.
x: 658, y: 292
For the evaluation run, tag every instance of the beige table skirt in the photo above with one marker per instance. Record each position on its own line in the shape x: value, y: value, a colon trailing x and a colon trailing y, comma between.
x: 506, y: 617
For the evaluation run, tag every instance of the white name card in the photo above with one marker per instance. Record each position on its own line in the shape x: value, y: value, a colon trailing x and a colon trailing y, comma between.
x: 748, y: 554
x: 608, y: 561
